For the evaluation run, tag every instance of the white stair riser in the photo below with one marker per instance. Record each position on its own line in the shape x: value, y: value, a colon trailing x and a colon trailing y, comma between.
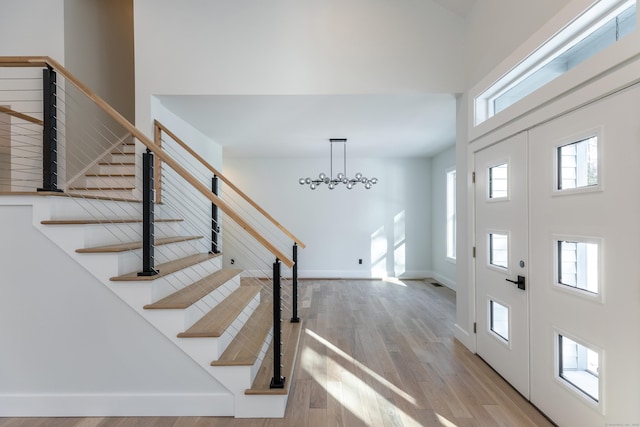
x: 110, y: 181
x: 206, y: 303
x: 131, y: 261
x: 167, y: 285
x: 122, y: 158
x: 239, y: 378
x: 75, y: 208
x: 125, y: 148
x: 112, y: 234
x: 110, y: 194
x: 115, y: 169
x: 261, y: 406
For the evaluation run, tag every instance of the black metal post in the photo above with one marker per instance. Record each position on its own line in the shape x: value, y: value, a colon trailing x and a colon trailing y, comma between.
x: 278, y: 380
x: 147, y: 216
x: 49, y: 132
x: 215, y: 228
x: 294, y: 311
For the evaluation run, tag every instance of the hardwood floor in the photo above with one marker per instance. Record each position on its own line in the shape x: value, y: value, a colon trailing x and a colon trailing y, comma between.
x: 373, y: 353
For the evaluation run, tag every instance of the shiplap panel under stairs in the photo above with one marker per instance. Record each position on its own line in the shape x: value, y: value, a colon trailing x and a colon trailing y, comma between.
x: 216, y: 319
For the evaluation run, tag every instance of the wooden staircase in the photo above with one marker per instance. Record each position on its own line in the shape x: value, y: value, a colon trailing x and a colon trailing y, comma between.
x: 112, y: 175
x: 217, y: 319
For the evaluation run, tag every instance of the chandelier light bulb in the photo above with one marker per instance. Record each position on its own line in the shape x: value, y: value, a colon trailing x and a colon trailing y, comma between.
x: 345, y: 180
x: 331, y: 186
x: 349, y: 186
x: 358, y: 176
x: 367, y: 186
x: 322, y: 176
x: 374, y: 180
x: 307, y: 181
x: 340, y: 176
x: 302, y: 181
x: 312, y: 186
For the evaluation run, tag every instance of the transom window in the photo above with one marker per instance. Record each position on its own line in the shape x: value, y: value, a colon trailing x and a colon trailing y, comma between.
x: 603, y: 24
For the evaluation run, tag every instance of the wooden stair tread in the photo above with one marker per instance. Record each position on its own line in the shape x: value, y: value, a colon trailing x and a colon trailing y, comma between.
x: 166, y: 268
x: 71, y: 195
x: 119, y: 175
x: 101, y: 221
x: 102, y: 188
x: 116, y: 164
x: 216, y: 321
x: 245, y: 347
x: 123, y: 247
x: 290, y: 341
x: 188, y: 295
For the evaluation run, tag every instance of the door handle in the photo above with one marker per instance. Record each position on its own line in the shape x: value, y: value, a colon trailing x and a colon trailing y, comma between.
x: 520, y: 282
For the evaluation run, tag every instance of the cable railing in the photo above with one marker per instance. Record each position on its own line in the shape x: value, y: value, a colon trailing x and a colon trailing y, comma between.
x: 57, y: 136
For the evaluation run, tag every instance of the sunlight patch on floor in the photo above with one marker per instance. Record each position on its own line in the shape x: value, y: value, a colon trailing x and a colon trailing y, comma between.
x: 394, y: 281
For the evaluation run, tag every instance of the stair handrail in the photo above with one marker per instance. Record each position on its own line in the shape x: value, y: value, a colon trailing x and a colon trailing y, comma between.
x: 45, y: 61
x: 19, y: 115
x: 231, y: 185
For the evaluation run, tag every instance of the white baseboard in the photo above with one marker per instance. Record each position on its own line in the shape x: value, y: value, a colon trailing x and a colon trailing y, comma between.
x: 451, y: 284
x: 467, y: 339
x: 116, y: 405
x: 359, y: 274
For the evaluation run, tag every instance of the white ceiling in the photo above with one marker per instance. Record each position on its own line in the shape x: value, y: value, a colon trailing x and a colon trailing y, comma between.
x: 414, y: 125
x: 401, y: 125
x: 461, y: 7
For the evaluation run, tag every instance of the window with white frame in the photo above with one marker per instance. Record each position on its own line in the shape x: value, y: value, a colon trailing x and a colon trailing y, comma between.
x: 603, y: 24
x: 579, y: 367
x: 578, y: 164
x: 451, y: 214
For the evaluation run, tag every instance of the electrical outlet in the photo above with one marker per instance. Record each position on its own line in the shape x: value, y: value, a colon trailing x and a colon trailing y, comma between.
x: 360, y: 261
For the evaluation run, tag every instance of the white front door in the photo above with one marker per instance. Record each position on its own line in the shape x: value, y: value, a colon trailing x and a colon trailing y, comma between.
x: 502, y: 306
x: 585, y: 263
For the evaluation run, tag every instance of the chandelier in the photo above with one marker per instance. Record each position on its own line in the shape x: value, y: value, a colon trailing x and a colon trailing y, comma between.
x: 342, y: 177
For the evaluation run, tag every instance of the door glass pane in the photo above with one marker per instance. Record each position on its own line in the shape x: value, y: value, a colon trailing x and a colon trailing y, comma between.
x: 498, y: 176
x: 499, y: 250
x: 578, y: 164
x: 579, y: 366
x: 499, y: 322
x: 578, y: 265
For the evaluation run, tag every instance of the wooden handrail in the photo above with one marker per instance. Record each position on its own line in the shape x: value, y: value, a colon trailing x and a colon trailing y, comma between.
x: 25, y: 117
x: 35, y: 61
x: 158, y: 125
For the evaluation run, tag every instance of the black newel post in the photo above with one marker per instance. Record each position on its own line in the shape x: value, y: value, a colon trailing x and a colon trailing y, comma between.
x: 147, y: 216
x: 294, y: 311
x: 278, y: 380
x: 49, y: 132
x: 215, y: 229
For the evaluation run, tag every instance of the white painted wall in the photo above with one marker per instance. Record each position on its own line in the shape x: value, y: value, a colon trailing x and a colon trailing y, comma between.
x: 98, y: 45
x: 485, y: 48
x: 72, y: 347
x: 341, y: 226
x: 292, y: 47
x: 444, y: 269
x: 495, y: 28
x: 32, y: 27
x: 179, y: 197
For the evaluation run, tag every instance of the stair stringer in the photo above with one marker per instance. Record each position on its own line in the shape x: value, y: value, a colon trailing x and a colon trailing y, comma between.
x: 136, y: 294
x: 100, y: 359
